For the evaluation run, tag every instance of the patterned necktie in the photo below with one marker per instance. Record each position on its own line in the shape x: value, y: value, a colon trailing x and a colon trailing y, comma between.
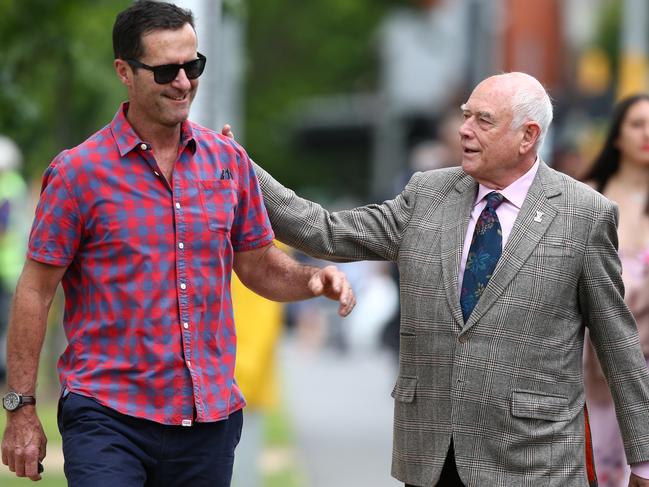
x: 485, y: 250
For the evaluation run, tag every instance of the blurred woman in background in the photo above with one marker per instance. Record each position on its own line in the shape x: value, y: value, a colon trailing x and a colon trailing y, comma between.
x: 621, y: 173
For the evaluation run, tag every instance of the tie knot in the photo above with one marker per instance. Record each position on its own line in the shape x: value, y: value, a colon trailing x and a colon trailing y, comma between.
x: 494, y: 199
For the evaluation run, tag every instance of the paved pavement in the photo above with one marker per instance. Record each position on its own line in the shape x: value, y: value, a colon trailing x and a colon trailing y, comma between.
x: 341, y: 409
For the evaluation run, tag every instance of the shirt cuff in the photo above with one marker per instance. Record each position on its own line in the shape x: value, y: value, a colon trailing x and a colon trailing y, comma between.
x: 641, y: 469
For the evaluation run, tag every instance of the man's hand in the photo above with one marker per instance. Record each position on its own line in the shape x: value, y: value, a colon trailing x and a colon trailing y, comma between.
x: 24, y: 443
x: 635, y: 481
x: 332, y: 283
x: 227, y: 131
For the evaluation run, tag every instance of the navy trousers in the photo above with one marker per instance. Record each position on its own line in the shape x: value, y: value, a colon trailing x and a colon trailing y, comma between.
x: 104, y: 448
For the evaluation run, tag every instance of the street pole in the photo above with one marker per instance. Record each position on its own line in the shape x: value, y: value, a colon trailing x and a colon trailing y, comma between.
x: 207, y: 17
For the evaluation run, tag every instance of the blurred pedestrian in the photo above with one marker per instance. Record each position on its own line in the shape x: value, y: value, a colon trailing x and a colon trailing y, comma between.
x: 144, y: 223
x: 621, y: 173
x: 568, y: 159
x: 14, y: 215
x: 445, y: 150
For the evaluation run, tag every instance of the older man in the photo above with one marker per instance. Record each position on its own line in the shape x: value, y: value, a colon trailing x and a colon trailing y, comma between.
x: 504, y: 263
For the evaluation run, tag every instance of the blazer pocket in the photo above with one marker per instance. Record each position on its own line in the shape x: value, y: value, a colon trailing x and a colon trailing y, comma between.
x: 539, y: 405
x: 563, y: 250
x: 404, y: 389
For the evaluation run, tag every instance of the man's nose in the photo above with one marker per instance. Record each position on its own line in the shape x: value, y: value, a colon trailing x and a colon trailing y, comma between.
x: 465, y: 128
x: 181, y: 80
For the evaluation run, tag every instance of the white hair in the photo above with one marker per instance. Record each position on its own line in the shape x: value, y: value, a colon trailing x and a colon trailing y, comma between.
x: 531, y: 103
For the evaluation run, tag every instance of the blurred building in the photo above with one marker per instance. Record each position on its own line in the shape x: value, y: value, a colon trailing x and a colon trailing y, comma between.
x: 433, y: 52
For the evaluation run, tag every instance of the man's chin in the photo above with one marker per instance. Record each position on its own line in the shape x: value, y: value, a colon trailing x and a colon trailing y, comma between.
x: 177, y: 118
x: 468, y: 166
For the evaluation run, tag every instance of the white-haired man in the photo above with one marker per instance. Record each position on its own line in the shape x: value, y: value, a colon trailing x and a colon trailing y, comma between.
x: 503, y: 264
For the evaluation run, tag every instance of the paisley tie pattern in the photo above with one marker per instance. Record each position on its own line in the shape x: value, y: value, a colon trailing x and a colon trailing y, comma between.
x: 485, y: 250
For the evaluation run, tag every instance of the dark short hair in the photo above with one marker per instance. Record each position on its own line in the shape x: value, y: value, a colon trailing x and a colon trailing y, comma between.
x: 607, y: 162
x: 141, y: 18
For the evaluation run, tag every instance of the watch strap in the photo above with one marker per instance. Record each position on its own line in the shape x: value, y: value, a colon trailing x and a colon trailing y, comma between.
x: 28, y: 400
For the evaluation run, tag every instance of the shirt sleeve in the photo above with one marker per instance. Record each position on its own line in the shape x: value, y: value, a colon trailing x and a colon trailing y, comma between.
x: 56, y: 232
x: 641, y: 469
x: 251, y: 227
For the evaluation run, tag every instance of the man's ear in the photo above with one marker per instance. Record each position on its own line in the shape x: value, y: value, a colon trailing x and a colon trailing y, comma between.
x: 531, y: 133
x: 124, y: 71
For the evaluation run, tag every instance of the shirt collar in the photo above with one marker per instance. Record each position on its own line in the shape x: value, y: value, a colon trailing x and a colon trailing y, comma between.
x: 516, y: 192
x: 127, y: 140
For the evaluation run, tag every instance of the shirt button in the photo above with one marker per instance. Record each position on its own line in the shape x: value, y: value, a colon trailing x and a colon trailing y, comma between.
x: 143, y: 146
x: 181, y: 245
x: 185, y: 325
x: 189, y: 363
x: 178, y: 206
x: 156, y: 173
x: 183, y: 285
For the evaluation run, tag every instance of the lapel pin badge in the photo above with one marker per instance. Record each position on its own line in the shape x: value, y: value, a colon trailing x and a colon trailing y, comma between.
x: 538, y: 218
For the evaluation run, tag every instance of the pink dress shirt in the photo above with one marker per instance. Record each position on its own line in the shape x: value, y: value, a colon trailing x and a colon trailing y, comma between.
x: 507, y: 212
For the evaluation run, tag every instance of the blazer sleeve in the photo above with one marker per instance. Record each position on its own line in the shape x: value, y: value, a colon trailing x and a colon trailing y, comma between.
x: 614, y: 335
x: 371, y: 232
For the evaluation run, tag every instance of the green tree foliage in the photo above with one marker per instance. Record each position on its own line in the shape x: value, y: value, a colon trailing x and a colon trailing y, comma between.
x: 57, y: 83
x: 299, y: 49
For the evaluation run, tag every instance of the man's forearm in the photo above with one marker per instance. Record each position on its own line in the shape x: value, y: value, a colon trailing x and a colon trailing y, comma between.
x: 25, y: 337
x: 276, y: 276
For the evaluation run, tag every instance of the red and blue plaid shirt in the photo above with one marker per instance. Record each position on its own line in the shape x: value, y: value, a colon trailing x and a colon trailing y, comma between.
x: 148, y: 314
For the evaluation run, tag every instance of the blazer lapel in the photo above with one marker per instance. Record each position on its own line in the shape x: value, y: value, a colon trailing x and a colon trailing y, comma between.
x: 532, y: 222
x: 457, y: 210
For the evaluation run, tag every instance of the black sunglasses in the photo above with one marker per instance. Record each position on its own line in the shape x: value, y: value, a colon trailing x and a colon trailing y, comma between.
x: 166, y: 73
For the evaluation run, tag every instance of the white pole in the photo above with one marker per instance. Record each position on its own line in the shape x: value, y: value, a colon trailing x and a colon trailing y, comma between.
x: 207, y: 17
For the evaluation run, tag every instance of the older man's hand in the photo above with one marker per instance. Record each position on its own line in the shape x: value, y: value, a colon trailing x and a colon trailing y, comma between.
x: 227, y: 131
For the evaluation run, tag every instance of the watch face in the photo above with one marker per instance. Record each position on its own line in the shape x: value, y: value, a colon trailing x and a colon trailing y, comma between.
x: 11, y: 401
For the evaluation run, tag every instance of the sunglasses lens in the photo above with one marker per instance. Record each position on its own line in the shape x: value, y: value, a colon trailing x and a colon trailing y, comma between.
x: 168, y: 72
x: 165, y: 74
x: 195, y: 68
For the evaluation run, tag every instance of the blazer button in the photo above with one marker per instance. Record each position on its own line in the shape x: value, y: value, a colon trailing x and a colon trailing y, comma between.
x: 463, y: 338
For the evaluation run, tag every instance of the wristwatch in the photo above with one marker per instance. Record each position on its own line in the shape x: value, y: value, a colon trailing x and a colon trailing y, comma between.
x: 14, y: 400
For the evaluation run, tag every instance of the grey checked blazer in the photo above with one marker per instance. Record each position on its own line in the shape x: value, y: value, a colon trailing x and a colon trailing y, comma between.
x: 507, y: 385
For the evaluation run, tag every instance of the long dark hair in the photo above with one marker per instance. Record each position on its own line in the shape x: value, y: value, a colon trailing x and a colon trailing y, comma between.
x: 607, y: 162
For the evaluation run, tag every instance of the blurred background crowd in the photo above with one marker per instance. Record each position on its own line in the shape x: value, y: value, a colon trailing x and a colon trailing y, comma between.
x: 341, y: 100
